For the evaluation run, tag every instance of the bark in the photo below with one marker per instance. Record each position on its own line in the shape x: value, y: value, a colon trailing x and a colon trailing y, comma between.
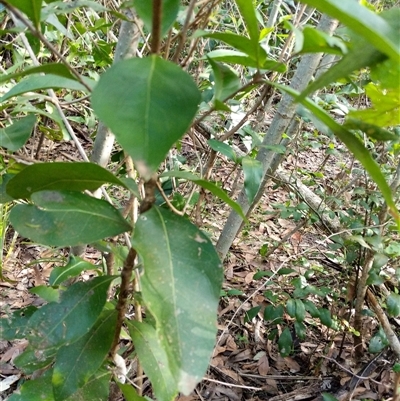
x: 279, y: 125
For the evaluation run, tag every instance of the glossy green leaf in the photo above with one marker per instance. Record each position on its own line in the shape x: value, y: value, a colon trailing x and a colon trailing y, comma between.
x: 51, y: 68
x: 77, y: 362
x: 154, y: 359
x: 226, y: 81
x: 59, y: 176
x: 285, y: 343
x: 253, y: 174
x: 73, y: 268
x: 31, y: 8
x: 215, y: 190
x: 363, y: 21
x: 40, y: 82
x: 170, y: 9
x: 65, y: 218
x: 4, y: 197
x: 141, y: 101
x: 291, y: 307
x: 56, y: 324
x: 15, y: 135
x: 39, y: 389
x: 353, y: 144
x: 393, y: 304
x: 223, y: 148
x: 185, y: 273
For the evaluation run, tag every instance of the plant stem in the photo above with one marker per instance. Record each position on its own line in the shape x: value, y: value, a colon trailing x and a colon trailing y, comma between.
x: 156, y: 28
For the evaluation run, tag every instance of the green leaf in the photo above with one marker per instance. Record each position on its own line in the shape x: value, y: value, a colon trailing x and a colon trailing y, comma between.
x: 141, y: 102
x: 4, y: 197
x: 154, y: 359
x: 311, y: 308
x: 274, y: 313
x: 253, y: 173
x: 218, y: 192
x: 393, y: 304
x: 15, y: 136
x: 378, y: 342
x: 65, y: 218
x: 31, y: 8
x: 361, y: 52
x: 53, y: 69
x: 13, y: 327
x: 237, y: 57
x: 77, y: 362
x: 371, y: 130
x: 40, y: 82
x: 39, y: 389
x: 353, y: 144
x: 248, y: 13
x: 251, y: 314
x: 73, y: 268
x: 57, y: 324
x: 170, y: 9
x: 291, y: 307
x: 59, y: 176
x: 285, y: 343
x: 328, y: 397
x: 130, y: 393
x: 325, y: 317
x: 361, y: 20
x: 311, y: 40
x: 97, y: 388
x: 223, y: 148
x: 226, y: 80
x: 301, y: 329
x: 45, y: 292
x: 185, y: 273
x: 32, y: 359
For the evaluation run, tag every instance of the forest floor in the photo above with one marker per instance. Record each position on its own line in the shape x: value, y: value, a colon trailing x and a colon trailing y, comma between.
x: 246, y: 364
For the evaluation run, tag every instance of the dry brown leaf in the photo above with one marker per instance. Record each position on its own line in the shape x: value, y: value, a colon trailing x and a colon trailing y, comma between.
x: 263, y: 365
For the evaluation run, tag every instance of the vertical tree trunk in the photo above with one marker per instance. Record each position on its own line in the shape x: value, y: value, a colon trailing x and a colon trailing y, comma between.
x: 279, y: 125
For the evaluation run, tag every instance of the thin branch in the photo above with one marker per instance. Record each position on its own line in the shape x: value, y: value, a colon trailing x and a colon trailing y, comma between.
x: 156, y: 28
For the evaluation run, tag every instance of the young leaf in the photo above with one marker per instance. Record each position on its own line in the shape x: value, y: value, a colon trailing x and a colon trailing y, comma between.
x: 65, y: 218
x: 59, y: 176
x: 57, y: 324
x: 154, y: 359
x: 181, y: 268
x: 77, y: 362
x: 40, y: 82
x: 148, y: 104
x: 15, y: 136
x: 253, y: 173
